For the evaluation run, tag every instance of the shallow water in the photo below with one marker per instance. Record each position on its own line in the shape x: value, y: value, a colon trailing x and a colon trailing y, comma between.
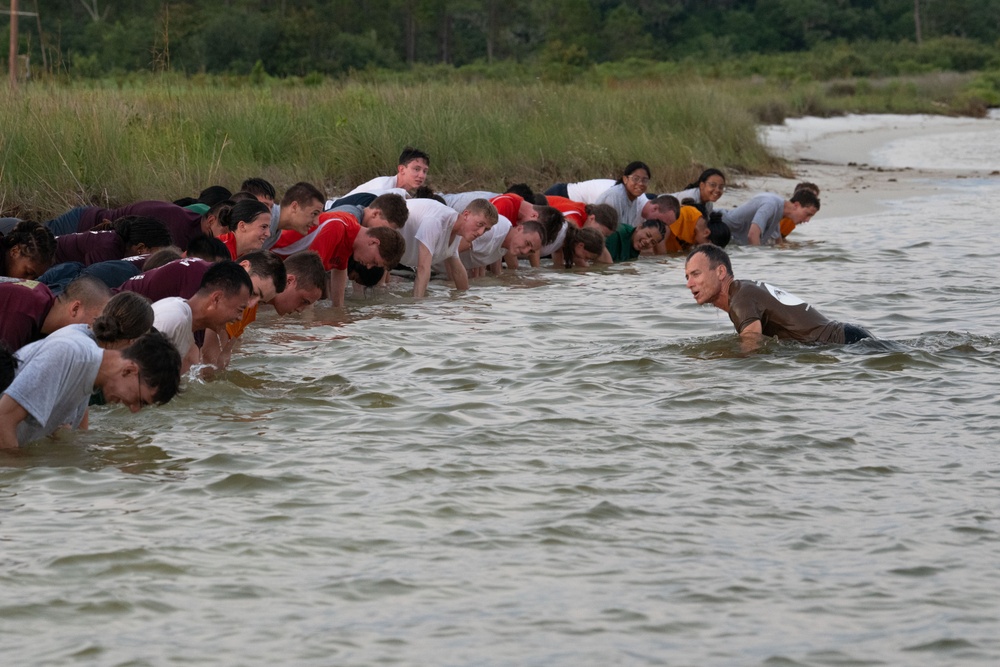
x: 553, y: 469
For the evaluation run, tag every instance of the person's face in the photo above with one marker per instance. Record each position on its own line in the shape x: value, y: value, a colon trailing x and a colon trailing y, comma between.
x: 701, y: 233
x: 21, y: 265
x: 304, y: 218
x: 471, y: 226
x: 263, y: 290
x: 367, y: 254
x: 251, y: 235
x: 704, y: 282
x: 128, y: 389
x: 228, y: 308
x: 801, y: 214
x: 646, y: 238
x: 581, y: 257
x: 295, y: 299
x: 412, y: 175
x: 712, y: 188
x: 524, y: 243
x: 636, y: 183
x: 591, y: 222
x: 264, y: 199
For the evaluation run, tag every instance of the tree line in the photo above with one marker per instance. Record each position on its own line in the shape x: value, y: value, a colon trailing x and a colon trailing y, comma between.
x: 330, y: 37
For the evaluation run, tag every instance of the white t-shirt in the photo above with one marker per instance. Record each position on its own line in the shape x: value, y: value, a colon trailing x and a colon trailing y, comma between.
x: 695, y: 195
x: 588, y: 191
x: 377, y: 186
x: 430, y: 223
x: 556, y: 243
x: 629, y: 212
x: 461, y: 200
x: 173, y: 318
x: 53, y: 382
x: 488, y: 248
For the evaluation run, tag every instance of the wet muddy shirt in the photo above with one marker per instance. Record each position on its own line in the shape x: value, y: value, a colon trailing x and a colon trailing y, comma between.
x: 781, y: 314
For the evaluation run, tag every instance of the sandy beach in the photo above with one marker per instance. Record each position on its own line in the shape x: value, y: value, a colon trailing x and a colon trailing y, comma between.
x: 861, y: 162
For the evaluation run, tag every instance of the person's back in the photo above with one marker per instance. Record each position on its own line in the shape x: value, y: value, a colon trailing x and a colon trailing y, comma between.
x: 89, y: 247
x: 181, y: 278
x: 763, y: 211
x: 429, y: 224
x: 24, y: 305
x: 53, y: 382
x: 588, y: 192
x: 183, y: 224
x: 781, y: 314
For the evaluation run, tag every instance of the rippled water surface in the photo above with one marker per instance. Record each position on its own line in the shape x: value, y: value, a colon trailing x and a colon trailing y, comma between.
x: 553, y: 469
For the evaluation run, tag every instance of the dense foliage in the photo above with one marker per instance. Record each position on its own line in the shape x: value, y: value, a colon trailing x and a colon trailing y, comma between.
x: 331, y: 37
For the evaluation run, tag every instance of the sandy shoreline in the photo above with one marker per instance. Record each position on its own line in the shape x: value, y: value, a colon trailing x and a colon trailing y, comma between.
x: 861, y: 162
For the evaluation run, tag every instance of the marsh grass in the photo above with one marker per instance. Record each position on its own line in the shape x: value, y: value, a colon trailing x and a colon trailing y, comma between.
x: 68, y: 146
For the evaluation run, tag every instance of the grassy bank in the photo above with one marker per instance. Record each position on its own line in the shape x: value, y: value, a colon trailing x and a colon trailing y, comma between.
x: 137, y: 137
x: 67, y: 146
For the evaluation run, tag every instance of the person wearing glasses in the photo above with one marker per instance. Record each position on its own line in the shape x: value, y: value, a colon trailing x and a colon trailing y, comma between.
x: 628, y: 198
x: 702, y: 193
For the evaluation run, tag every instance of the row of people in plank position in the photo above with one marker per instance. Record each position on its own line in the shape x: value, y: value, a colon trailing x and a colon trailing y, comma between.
x: 140, y: 294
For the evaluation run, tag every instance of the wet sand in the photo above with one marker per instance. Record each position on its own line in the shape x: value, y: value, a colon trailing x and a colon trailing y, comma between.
x: 858, y: 160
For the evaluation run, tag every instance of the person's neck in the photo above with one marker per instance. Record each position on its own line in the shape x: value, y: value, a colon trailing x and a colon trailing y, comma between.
x: 111, y: 364
x: 722, y: 301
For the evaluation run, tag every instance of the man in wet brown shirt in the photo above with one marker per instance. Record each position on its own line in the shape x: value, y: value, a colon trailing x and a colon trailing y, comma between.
x: 757, y: 309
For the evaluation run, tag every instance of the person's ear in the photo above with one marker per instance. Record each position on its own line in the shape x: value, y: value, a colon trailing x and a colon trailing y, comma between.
x: 129, y: 367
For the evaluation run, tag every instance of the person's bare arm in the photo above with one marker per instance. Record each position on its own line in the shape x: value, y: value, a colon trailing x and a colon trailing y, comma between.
x: 535, y: 259
x: 457, y: 272
x: 511, y: 260
x: 753, y: 236
x: 423, y: 271
x: 11, y: 414
x: 752, y: 336
x: 211, y: 348
x: 337, y: 285
x: 558, y: 261
x: 605, y: 258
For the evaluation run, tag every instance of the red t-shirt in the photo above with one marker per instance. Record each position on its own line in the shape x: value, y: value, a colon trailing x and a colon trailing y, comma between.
x: 508, y: 205
x: 181, y: 277
x: 333, y: 239
x: 573, y: 211
x: 89, y: 247
x: 229, y: 240
x: 24, y: 305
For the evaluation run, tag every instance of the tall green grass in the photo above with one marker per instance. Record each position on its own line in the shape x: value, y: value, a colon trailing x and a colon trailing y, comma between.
x: 68, y: 146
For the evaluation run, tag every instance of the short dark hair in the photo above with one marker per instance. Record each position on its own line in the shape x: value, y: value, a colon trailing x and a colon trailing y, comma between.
x: 427, y: 192
x: 207, y: 248
x: 266, y: 264
x: 604, y: 214
x: 522, y: 190
x: 126, y: 316
x: 393, y: 207
x: 160, y: 257
x: 213, y: 194
x: 159, y: 364
x: 391, y: 244
x: 307, y: 267
x: 92, y: 292
x: 302, y: 193
x: 359, y: 273
x: 665, y: 203
x: 258, y: 186
x: 805, y: 198
x: 715, y: 255
x: 227, y: 276
x: 410, y: 154
x: 533, y: 226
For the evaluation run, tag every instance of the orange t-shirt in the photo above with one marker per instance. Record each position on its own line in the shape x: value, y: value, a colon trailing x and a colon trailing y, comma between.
x: 235, y: 329
x: 682, y: 230
x: 333, y: 240
x: 508, y: 205
x: 787, y: 227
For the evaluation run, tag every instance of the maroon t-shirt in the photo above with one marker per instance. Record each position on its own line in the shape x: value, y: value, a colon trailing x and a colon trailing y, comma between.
x: 181, y: 277
x: 183, y: 224
x: 24, y: 305
x: 89, y: 247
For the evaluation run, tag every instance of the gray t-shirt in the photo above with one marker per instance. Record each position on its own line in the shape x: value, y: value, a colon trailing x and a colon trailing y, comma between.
x: 764, y: 210
x: 461, y: 200
x: 55, y: 378
x: 629, y: 212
